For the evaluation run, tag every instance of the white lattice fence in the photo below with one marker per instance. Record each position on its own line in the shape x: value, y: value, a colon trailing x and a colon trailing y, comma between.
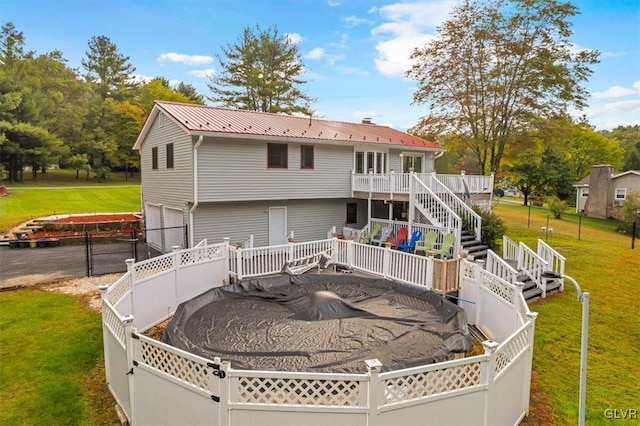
x: 151, y: 267
x: 201, y: 254
x: 512, y: 348
x: 432, y: 380
x: 119, y: 289
x: 112, y: 320
x: 498, y: 286
x: 186, y: 368
x: 297, y: 391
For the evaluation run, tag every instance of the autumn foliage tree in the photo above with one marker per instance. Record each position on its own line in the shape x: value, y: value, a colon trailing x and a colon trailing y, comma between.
x: 494, y: 67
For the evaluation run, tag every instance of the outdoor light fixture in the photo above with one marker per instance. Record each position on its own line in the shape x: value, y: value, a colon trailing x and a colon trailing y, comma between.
x: 584, y: 298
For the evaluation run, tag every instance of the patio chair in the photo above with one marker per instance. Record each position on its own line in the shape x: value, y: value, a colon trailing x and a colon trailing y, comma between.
x: 384, y: 234
x: 400, y: 238
x: 428, y: 243
x: 445, y: 247
x: 365, y: 237
x: 410, y: 245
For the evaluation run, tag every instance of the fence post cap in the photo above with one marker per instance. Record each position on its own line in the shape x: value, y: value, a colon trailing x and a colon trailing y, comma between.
x: 175, y: 248
x: 373, y: 365
x: 490, y: 345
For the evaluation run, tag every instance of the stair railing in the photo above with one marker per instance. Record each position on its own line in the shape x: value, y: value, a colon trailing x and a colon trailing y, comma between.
x: 554, y: 260
x: 462, y: 209
x: 510, y: 250
x: 533, y: 266
x: 499, y: 267
x: 435, y: 209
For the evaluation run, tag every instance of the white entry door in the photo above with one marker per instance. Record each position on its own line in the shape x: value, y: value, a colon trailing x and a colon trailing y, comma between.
x: 277, y: 225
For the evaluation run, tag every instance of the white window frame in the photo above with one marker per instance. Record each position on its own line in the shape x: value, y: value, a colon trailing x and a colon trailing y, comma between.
x: 584, y: 192
x: 380, y: 160
x: 413, y: 155
x: 618, y: 192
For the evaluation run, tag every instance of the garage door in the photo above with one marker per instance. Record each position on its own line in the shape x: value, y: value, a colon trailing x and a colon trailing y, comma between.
x: 153, y: 225
x: 173, y: 229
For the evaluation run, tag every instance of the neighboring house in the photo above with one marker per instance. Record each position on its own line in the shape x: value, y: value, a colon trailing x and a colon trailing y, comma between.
x: 603, y: 192
x: 234, y: 173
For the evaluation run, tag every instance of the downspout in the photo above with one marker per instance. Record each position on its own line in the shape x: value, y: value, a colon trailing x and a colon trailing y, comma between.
x: 195, y: 189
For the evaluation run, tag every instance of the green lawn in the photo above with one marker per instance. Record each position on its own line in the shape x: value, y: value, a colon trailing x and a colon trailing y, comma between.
x: 51, y: 367
x: 66, y: 177
x: 605, y: 266
x: 27, y: 203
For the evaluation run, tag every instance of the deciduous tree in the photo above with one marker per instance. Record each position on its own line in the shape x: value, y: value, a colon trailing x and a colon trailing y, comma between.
x: 496, y: 66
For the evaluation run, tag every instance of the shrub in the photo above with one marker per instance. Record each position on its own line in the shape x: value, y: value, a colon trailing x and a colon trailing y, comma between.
x: 629, y: 214
x: 557, y: 206
x: 493, y: 228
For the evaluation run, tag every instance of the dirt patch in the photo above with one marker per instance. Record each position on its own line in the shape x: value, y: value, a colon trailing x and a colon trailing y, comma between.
x: 86, y: 288
x: 540, y: 408
x: 98, y: 218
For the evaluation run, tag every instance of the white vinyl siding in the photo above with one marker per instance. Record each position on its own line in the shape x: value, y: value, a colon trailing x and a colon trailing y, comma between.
x: 237, y: 170
x: 170, y: 187
x: 309, y: 219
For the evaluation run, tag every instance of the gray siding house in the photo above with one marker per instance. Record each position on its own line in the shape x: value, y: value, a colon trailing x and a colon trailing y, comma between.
x: 603, y: 193
x: 235, y: 173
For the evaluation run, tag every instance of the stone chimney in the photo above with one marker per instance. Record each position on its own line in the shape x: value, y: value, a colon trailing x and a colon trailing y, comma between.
x: 600, y: 201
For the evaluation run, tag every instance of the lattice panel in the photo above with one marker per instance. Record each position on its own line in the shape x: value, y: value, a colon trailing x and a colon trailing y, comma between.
x: 160, y: 264
x: 204, y: 253
x: 113, y: 323
x: 186, y: 370
x: 468, y: 271
x: 431, y: 383
x: 258, y: 390
x: 497, y: 287
x: 512, y: 350
x: 119, y: 289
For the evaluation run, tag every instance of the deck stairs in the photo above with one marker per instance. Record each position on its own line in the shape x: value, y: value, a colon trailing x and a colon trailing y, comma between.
x: 519, y: 263
x: 476, y: 249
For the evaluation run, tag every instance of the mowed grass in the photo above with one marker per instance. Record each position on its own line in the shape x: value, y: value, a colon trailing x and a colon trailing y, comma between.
x: 67, y: 177
x: 51, y: 367
x: 604, y: 265
x: 28, y: 203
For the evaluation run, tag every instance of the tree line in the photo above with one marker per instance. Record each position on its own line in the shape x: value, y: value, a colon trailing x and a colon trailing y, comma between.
x: 87, y: 119
x: 497, y: 83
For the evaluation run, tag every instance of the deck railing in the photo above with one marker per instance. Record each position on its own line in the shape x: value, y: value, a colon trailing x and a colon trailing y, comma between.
x: 500, y: 268
x: 398, y: 183
x: 555, y: 261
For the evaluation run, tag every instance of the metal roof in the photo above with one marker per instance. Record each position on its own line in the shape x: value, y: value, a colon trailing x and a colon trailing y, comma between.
x: 208, y: 120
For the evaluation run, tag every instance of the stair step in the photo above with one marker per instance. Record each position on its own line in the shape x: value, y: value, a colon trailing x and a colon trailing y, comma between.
x: 532, y: 293
x: 478, y: 255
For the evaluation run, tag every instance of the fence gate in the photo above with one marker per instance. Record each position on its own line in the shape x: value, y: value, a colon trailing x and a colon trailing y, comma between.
x: 108, y: 257
x: 164, y: 239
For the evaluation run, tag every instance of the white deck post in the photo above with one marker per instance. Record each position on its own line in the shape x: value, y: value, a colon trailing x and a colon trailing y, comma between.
x: 239, y: 263
x: 412, y: 202
x: 226, y: 279
x: 375, y: 391
x: 130, y: 352
x: 176, y: 271
x: 349, y: 253
x: 386, y: 260
x: 488, y: 376
x: 103, y: 296
x: 479, y: 265
x: 131, y: 271
x: 225, y: 394
x: 531, y: 316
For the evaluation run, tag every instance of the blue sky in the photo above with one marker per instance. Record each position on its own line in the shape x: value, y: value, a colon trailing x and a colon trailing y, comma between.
x: 354, y: 51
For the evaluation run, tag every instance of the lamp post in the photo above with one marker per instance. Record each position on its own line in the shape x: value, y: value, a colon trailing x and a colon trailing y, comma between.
x: 584, y: 298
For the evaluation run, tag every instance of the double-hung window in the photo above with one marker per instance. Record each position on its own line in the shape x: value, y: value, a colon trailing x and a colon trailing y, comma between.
x: 306, y: 157
x: 277, y: 156
x: 154, y: 158
x: 169, y: 156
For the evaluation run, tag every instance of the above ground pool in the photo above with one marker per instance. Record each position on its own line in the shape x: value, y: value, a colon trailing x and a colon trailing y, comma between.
x: 320, y: 323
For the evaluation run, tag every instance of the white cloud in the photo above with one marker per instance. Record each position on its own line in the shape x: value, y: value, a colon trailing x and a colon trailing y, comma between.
x: 351, y: 70
x: 139, y: 78
x: 202, y: 73
x: 174, y: 82
x: 333, y: 3
x: 613, y: 114
x: 185, y: 59
x: 354, y: 21
x: 406, y: 26
x: 315, y: 54
x: 294, y: 38
x: 615, y: 92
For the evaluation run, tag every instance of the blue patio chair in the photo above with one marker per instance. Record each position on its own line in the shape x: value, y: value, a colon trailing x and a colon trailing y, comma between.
x: 410, y: 245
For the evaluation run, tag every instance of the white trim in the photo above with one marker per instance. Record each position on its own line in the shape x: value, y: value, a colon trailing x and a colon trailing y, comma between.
x: 621, y: 191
